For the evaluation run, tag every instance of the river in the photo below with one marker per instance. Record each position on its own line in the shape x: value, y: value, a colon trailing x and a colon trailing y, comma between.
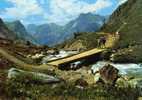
x: 129, y: 69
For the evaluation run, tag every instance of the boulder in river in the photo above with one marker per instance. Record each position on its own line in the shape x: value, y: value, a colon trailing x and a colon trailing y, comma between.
x: 31, y: 77
x: 108, y: 74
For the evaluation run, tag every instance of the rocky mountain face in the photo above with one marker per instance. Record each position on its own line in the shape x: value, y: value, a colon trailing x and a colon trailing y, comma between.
x: 31, y: 29
x: 18, y: 28
x: 84, y: 23
x: 48, y: 34
x: 52, y: 34
x: 131, y: 14
x: 5, y: 32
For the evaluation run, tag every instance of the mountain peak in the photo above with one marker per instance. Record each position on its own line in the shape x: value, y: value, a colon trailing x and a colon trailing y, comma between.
x: 20, y: 30
x: 17, y: 22
x: 83, y: 15
x: 5, y: 32
x: 1, y: 22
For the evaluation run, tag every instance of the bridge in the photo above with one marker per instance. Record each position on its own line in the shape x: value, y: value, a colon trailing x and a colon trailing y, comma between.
x: 111, y: 40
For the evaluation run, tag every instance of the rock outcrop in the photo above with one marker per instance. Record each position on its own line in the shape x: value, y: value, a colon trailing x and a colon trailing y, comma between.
x: 31, y: 77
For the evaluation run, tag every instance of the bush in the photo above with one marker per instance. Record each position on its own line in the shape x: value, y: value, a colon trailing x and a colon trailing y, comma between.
x: 64, y: 90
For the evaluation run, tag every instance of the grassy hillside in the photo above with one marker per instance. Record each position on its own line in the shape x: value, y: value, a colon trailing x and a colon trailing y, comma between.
x: 130, y: 13
x: 82, y: 41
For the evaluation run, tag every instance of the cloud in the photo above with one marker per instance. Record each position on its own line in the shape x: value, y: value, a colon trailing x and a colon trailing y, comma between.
x: 65, y: 10
x: 121, y: 1
x: 57, y: 11
x: 22, y: 9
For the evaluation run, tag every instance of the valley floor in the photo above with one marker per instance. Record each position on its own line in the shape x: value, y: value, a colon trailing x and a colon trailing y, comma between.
x: 75, y: 84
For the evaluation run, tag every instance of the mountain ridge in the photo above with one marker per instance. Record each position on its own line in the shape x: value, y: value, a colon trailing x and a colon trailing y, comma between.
x: 5, y: 32
x: 54, y: 34
x: 18, y: 28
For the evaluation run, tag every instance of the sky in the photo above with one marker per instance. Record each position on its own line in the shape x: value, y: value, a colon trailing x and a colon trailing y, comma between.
x: 54, y: 11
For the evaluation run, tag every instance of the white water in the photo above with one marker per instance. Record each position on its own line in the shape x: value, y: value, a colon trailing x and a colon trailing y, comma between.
x: 61, y: 54
x: 124, y: 69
